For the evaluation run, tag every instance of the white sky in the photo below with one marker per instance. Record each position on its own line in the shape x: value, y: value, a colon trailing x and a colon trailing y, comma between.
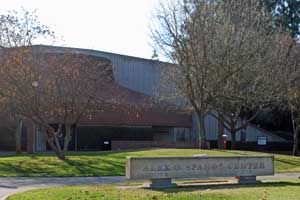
x: 118, y: 26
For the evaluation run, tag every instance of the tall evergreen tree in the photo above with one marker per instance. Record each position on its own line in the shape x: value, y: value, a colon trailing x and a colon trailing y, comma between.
x: 286, y: 14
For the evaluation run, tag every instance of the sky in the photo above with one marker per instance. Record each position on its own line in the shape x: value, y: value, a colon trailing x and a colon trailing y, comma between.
x: 118, y: 26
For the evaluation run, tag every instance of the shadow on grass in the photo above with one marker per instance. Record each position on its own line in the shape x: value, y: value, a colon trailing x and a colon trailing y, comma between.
x: 85, y: 169
x: 103, y: 153
x: 235, y: 152
x: 225, y: 186
x: 289, y: 162
x: 19, y: 170
x: 75, y: 165
x: 69, y: 153
x: 8, y: 187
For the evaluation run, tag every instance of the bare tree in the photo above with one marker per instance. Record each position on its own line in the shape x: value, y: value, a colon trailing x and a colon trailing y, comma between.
x: 54, y: 88
x: 19, y: 29
x: 213, y: 44
x: 22, y: 28
x: 287, y: 79
x: 47, y: 88
x: 248, y: 91
x: 294, y: 106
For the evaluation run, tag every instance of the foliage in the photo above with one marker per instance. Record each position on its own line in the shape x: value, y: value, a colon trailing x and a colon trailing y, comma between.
x: 22, y: 29
x: 18, y: 29
x: 293, y: 99
x: 286, y: 13
x: 53, y: 88
x: 47, y: 87
x: 285, y: 77
x: 219, y: 49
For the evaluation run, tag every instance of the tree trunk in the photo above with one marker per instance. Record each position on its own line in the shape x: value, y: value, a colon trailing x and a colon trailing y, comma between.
x: 220, y: 131
x: 295, y: 146
x: 296, y: 131
x: 75, y: 136
x: 60, y: 152
x: 67, y: 137
x: 233, y: 135
x: 18, y: 136
x: 54, y: 143
x: 202, y: 134
x: 61, y: 155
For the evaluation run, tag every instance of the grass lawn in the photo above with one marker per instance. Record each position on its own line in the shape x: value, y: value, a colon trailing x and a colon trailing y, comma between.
x: 110, y: 163
x: 281, y: 190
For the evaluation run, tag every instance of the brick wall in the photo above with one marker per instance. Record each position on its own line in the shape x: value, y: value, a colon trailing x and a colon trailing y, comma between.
x: 7, y: 139
x: 118, y: 145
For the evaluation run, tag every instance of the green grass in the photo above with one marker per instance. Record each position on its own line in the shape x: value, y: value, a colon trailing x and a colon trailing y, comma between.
x: 281, y: 190
x: 110, y: 163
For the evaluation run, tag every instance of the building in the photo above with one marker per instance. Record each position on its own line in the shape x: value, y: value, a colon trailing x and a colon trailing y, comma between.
x: 139, y: 79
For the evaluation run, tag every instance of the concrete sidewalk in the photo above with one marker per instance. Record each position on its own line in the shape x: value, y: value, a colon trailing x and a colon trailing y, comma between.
x: 282, y: 175
x: 12, y: 185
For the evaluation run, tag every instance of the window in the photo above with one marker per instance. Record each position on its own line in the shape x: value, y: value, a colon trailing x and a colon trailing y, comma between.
x: 262, y: 140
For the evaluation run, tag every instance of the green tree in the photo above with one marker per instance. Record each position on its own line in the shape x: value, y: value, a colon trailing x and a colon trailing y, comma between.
x: 286, y: 13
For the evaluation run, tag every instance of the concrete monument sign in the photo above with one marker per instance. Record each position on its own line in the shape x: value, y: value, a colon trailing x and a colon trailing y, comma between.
x: 162, y: 169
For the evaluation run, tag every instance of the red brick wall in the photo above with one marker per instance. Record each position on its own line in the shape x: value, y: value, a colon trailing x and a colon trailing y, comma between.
x: 119, y: 145
x: 7, y: 138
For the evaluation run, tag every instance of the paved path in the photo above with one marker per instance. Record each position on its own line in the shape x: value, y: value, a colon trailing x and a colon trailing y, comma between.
x: 12, y: 185
x: 282, y: 175
x: 7, y: 153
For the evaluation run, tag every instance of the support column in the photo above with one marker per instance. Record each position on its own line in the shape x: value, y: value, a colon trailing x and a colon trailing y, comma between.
x: 40, y: 140
x: 18, y: 136
x: 30, y: 136
x: 247, y: 179
x: 76, y: 137
x: 160, y: 183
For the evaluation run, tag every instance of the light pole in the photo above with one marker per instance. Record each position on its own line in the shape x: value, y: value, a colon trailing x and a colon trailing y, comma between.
x: 35, y: 135
x: 35, y: 84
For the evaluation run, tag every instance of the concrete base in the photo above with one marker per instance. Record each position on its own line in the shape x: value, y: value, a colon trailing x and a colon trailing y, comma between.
x: 247, y: 179
x: 160, y: 183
